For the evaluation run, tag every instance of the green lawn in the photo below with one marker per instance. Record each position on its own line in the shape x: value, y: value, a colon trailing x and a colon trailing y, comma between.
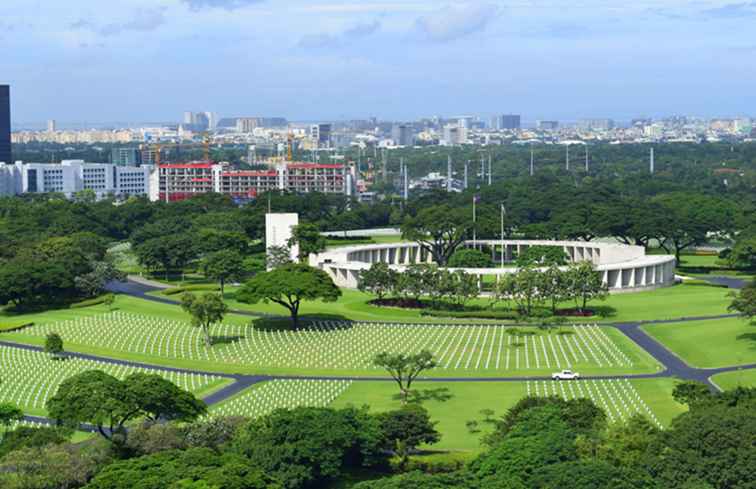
x: 737, y: 378
x: 709, y: 344
x: 705, y: 265
x: 452, y: 404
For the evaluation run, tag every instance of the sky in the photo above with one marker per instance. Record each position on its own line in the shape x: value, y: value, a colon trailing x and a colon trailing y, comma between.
x: 151, y: 60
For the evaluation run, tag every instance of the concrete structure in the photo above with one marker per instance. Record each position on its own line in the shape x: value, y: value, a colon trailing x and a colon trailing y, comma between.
x: 320, y: 135
x: 73, y: 176
x: 278, y: 232
x: 623, y: 268
x: 5, y: 126
x: 126, y: 156
x: 172, y: 182
x: 507, y: 122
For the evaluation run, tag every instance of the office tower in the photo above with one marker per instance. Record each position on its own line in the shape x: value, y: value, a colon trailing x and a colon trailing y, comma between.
x: 548, y: 125
x: 5, y: 125
x: 508, y: 121
x: 596, y: 124
x: 125, y: 156
x: 51, y: 125
x: 188, y: 118
x: 402, y: 134
x: 320, y: 135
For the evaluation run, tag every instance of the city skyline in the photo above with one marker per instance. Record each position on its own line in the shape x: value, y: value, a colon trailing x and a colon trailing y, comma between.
x: 152, y: 60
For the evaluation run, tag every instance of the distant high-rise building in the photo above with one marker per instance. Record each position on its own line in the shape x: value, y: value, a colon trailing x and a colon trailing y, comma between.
x: 320, y: 135
x: 402, y: 135
x: 248, y: 124
x: 126, y: 156
x: 548, y: 125
x: 596, y: 124
x: 51, y: 126
x: 5, y: 125
x: 197, y: 121
x: 507, y: 122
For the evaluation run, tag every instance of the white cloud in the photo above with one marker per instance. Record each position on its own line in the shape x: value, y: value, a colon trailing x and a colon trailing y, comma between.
x: 455, y: 21
x: 223, y: 4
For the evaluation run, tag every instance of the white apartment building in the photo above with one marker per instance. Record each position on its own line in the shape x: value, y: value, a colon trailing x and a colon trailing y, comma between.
x: 72, y: 176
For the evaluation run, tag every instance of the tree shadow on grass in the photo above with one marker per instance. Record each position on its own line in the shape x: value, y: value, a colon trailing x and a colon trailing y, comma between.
x: 419, y: 396
x: 225, y: 340
x: 750, y: 337
x: 319, y: 322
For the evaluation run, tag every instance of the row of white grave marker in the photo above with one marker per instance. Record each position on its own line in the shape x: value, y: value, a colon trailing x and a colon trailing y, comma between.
x: 28, y: 378
x: 341, y: 345
x: 281, y: 394
x: 617, y: 397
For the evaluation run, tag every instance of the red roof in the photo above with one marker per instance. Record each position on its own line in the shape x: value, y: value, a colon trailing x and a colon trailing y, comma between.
x: 188, y: 165
x: 248, y: 173
x: 313, y: 165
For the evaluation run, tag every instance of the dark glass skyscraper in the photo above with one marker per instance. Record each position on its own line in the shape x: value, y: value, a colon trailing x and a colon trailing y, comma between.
x: 5, y: 125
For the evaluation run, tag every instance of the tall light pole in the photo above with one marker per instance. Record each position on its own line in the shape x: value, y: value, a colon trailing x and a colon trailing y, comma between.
x: 503, y: 212
x: 467, y: 164
x: 532, y: 161
x: 489, y: 169
x: 567, y: 158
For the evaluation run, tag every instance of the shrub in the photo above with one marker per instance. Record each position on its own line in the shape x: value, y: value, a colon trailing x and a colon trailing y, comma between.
x: 480, y: 314
x: 187, y: 288
x: 91, y: 302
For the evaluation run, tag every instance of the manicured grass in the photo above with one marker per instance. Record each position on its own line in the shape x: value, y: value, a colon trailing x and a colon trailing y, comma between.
x: 737, y: 378
x: 453, y: 404
x: 705, y: 265
x: 709, y: 344
x: 679, y: 301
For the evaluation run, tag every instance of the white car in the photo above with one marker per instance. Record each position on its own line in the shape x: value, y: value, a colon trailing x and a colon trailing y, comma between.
x: 565, y: 375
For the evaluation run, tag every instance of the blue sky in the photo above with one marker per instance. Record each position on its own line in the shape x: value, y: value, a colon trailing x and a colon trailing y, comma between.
x: 149, y: 60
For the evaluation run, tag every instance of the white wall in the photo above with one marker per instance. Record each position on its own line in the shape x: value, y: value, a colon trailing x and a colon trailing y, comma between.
x: 278, y: 231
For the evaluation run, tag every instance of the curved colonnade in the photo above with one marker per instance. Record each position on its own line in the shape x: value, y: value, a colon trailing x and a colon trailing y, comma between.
x: 624, y: 268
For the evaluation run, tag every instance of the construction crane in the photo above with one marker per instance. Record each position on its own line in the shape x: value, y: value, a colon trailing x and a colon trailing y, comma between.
x: 205, y: 144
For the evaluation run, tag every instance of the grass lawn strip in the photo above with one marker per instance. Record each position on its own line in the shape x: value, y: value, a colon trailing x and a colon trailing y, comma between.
x: 709, y: 344
x: 737, y: 378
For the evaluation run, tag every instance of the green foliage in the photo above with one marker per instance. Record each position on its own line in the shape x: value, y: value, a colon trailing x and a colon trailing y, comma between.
x: 469, y: 258
x: 590, y: 474
x: 223, y: 265
x: 309, y: 239
x: 404, y: 369
x: 109, y: 404
x: 439, y: 230
x: 691, y: 393
x: 165, y: 469
x: 9, y: 414
x: 542, y: 256
x: 406, y: 429
x: 744, y: 302
x: 307, y: 446
x: 28, y: 437
x: 288, y: 286
x: 54, y: 466
x: 418, y: 480
x: 584, y: 284
x: 53, y: 344
x: 743, y: 254
x: 103, y: 299
x: 276, y: 256
x: 205, y: 310
x: 378, y: 280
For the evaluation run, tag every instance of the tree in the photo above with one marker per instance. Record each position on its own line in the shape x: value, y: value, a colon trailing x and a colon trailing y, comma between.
x: 412, y: 282
x: 469, y: 258
x: 438, y: 229
x: 205, y: 310
x: 378, y: 280
x: 33, y: 437
x: 465, y: 287
x: 585, y: 284
x: 419, y: 480
x: 54, y: 345
x: 542, y: 256
x: 309, y: 239
x: 277, y: 256
x: 109, y: 404
x: 744, y: 302
x: 523, y: 287
x: 97, y: 398
x: 161, y: 399
x: 407, y: 428
x: 691, y: 392
x: 306, y: 446
x: 167, y: 253
x: 404, y: 369
x: 108, y: 300
x: 288, y: 286
x: 743, y: 254
x: 223, y: 265
x: 93, y: 283
x: 555, y: 286
x: 211, y: 240
x: 9, y: 414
